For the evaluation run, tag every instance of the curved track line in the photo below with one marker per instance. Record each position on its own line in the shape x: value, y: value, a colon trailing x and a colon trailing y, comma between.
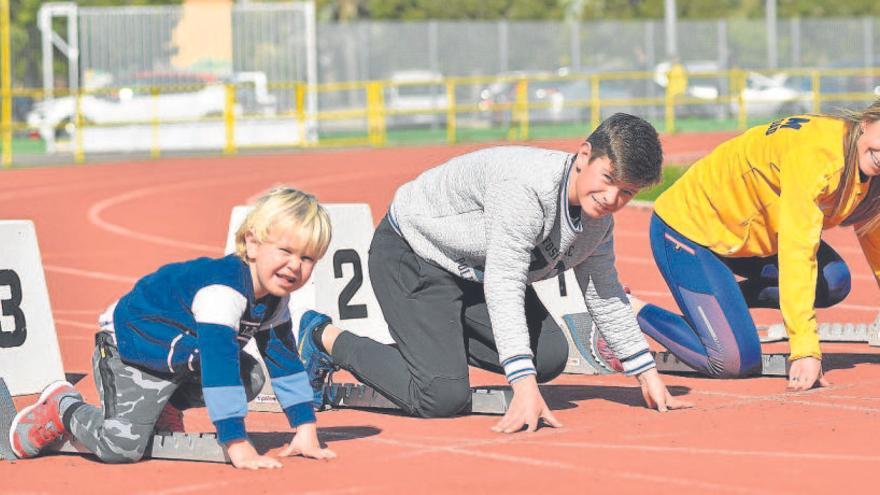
x: 94, y: 215
x: 97, y: 209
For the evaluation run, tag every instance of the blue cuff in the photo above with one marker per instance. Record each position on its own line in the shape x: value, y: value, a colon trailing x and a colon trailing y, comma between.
x: 299, y: 414
x: 518, y: 367
x: 230, y: 429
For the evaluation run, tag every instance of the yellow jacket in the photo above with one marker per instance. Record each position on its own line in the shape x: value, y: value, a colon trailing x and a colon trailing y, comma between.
x: 772, y: 190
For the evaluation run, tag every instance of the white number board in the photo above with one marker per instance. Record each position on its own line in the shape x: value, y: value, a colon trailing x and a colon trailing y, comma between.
x: 29, y: 355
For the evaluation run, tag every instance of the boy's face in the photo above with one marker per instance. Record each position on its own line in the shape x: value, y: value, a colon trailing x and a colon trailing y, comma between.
x: 594, y: 187
x: 280, y: 264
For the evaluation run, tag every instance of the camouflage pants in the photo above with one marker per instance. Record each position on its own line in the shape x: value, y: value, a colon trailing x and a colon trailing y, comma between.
x: 132, y: 399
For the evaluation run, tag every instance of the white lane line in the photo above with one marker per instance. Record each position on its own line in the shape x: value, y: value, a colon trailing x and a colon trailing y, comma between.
x: 820, y: 456
x: 90, y: 274
x: 77, y: 311
x: 790, y: 398
x: 90, y: 326
x: 632, y: 475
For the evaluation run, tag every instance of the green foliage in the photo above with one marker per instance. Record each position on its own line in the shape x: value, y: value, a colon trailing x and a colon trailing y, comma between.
x: 589, y: 9
x: 416, y: 10
x: 828, y: 8
x: 671, y: 173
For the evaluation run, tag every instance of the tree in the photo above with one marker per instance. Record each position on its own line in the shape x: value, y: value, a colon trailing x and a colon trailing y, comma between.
x: 408, y: 10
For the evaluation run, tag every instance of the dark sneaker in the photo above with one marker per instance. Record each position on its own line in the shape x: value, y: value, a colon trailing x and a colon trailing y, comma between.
x: 318, y: 364
x: 39, y: 425
x: 170, y: 420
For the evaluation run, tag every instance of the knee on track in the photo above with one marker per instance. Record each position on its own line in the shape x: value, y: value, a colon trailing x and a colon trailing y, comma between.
x: 444, y: 397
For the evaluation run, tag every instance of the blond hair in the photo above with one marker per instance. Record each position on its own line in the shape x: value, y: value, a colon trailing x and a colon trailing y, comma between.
x: 864, y: 220
x: 290, y: 208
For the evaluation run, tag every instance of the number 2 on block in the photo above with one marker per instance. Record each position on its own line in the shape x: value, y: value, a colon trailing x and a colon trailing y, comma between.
x: 349, y: 311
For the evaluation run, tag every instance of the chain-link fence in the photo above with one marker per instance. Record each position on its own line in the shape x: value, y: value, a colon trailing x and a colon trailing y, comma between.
x: 173, y: 77
x: 359, y: 51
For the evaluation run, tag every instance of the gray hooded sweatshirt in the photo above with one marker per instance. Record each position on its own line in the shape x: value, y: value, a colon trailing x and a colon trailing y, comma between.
x: 501, y: 216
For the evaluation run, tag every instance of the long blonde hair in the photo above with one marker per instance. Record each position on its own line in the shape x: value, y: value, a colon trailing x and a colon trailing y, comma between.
x: 291, y: 208
x: 866, y: 216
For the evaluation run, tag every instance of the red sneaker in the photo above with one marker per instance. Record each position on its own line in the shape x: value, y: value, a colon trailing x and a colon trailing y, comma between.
x: 170, y: 420
x: 39, y: 425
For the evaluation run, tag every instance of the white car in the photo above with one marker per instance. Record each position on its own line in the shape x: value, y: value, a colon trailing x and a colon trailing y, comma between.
x: 416, y: 98
x: 774, y: 95
x: 181, y: 98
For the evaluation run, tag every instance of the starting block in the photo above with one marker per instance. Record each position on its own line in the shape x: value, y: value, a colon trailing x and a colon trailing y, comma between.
x: 202, y: 447
x: 199, y: 447
x: 357, y: 396
x: 483, y: 400
x: 834, y: 332
x: 7, y: 412
x: 27, y: 329
x: 586, y: 347
x: 772, y: 364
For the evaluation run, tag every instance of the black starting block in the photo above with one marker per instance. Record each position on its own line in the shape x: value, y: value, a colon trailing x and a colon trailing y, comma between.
x: 353, y: 395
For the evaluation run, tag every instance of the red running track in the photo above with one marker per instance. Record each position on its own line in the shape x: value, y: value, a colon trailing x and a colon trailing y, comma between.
x: 101, y: 227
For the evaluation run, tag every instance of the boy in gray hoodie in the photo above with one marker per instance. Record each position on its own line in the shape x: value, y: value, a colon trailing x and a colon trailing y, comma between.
x: 452, y: 261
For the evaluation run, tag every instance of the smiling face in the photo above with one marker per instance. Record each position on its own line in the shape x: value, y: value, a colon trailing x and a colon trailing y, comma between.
x: 594, y: 188
x: 281, y: 263
x: 868, y: 146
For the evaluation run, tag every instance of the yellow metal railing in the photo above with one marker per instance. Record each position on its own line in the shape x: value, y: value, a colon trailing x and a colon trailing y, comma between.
x: 5, y: 87
x: 362, y: 113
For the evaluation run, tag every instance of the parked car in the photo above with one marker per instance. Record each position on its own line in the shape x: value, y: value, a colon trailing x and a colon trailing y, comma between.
x: 775, y: 95
x: 180, y: 97
x: 416, y: 98
x: 551, y: 99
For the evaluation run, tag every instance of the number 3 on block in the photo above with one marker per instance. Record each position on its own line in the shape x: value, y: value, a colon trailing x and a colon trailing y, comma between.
x: 13, y: 326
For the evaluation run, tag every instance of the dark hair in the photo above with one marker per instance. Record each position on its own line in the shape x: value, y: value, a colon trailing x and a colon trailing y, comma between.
x: 632, y: 145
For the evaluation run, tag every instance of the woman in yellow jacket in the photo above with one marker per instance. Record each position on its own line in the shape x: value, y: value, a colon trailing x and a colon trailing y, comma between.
x: 756, y: 207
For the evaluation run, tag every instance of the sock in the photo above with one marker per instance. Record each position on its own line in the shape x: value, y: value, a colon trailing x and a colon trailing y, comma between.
x: 72, y: 404
x: 317, y: 335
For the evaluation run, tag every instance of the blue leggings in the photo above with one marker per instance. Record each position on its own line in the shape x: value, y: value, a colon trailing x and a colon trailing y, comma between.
x: 717, y: 336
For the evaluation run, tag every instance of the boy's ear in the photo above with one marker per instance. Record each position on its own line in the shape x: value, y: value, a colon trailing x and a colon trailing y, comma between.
x: 584, y: 152
x: 251, y: 243
x: 585, y: 149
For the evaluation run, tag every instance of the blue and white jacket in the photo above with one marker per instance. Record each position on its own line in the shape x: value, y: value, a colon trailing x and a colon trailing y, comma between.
x: 196, y: 316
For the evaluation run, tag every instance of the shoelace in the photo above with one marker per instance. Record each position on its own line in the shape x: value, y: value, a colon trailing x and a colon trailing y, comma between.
x: 47, y: 432
x: 324, y: 380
